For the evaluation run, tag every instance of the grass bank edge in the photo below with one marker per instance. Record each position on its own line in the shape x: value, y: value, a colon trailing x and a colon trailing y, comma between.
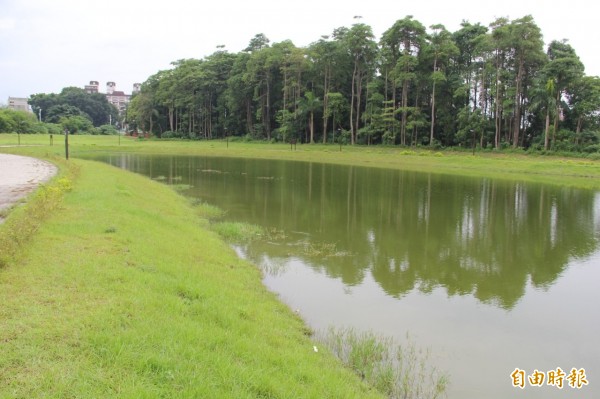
x: 506, y: 165
x: 99, y: 313
x: 24, y: 218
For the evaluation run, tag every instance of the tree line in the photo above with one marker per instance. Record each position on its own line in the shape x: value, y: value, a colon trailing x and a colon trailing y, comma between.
x: 492, y: 86
x: 72, y: 109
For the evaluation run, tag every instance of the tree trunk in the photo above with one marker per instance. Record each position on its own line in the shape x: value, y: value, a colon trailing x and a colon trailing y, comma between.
x: 171, y: 111
x: 248, y: 116
x: 517, y: 119
x: 325, y: 102
x: 394, y: 110
x: 404, y: 112
x: 312, y: 127
x: 267, y: 122
x: 547, y: 129
x: 352, y: 102
x: 433, y: 104
x: 358, y: 101
x: 556, y: 117
x: 498, y: 113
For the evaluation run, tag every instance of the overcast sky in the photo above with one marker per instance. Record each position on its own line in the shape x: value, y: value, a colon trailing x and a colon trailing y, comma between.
x: 46, y: 45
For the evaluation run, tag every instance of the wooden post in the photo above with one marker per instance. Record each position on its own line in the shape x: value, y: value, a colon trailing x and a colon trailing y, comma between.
x: 67, y: 144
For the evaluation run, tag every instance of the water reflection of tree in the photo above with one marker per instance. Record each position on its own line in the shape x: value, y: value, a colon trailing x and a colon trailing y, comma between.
x: 410, y: 231
x: 470, y: 236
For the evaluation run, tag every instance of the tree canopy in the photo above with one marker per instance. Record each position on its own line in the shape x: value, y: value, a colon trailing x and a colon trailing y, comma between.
x: 494, y: 86
x: 71, y: 102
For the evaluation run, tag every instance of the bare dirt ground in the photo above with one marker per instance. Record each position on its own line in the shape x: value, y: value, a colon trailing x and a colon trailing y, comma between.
x: 19, y: 176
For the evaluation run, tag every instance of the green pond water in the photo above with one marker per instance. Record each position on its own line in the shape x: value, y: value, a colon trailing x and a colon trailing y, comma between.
x: 489, y: 275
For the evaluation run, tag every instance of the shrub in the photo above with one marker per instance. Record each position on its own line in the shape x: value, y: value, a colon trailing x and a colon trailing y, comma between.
x: 107, y: 130
x: 169, y: 134
x: 592, y: 148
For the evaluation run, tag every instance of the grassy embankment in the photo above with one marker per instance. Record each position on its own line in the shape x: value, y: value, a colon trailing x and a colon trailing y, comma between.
x: 572, y: 172
x: 121, y: 293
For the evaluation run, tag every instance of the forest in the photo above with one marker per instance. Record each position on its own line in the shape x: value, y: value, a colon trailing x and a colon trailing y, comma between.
x: 493, y: 86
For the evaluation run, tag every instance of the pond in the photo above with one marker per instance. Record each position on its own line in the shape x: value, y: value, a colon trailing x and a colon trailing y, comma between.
x: 489, y: 275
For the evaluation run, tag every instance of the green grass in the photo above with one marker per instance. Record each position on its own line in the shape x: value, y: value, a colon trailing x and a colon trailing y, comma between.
x: 573, y: 172
x: 121, y: 292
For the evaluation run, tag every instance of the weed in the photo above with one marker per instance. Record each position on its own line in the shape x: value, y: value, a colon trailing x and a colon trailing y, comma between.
x: 399, y: 371
x: 322, y: 250
x: 274, y: 234
x: 238, y: 232
x: 207, y: 211
x: 23, y: 222
x: 181, y: 187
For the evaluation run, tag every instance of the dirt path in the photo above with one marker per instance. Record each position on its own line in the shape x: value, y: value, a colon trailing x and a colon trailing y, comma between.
x: 19, y: 176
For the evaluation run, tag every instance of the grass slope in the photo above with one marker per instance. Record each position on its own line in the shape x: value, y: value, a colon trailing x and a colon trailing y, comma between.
x: 122, y: 293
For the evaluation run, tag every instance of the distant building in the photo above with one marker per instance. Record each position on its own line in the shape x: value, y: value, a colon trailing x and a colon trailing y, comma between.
x: 110, y: 87
x: 92, y: 87
x: 19, y: 104
x: 117, y: 98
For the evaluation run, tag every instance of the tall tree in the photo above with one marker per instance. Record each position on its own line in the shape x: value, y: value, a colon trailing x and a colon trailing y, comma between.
x: 499, y: 39
x: 528, y: 52
x: 360, y: 44
x: 585, y: 102
x: 325, y: 55
x: 564, y: 69
x: 404, y: 40
x: 441, y: 47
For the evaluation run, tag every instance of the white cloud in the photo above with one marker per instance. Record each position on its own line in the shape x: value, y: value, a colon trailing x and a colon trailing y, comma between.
x: 49, y: 44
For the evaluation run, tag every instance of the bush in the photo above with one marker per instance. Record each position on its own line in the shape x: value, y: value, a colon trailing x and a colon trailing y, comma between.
x: 76, y: 124
x: 592, y: 148
x: 436, y: 145
x: 12, y: 121
x: 594, y: 157
x: 54, y: 128
x: 39, y: 128
x: 107, y: 130
x: 169, y: 134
